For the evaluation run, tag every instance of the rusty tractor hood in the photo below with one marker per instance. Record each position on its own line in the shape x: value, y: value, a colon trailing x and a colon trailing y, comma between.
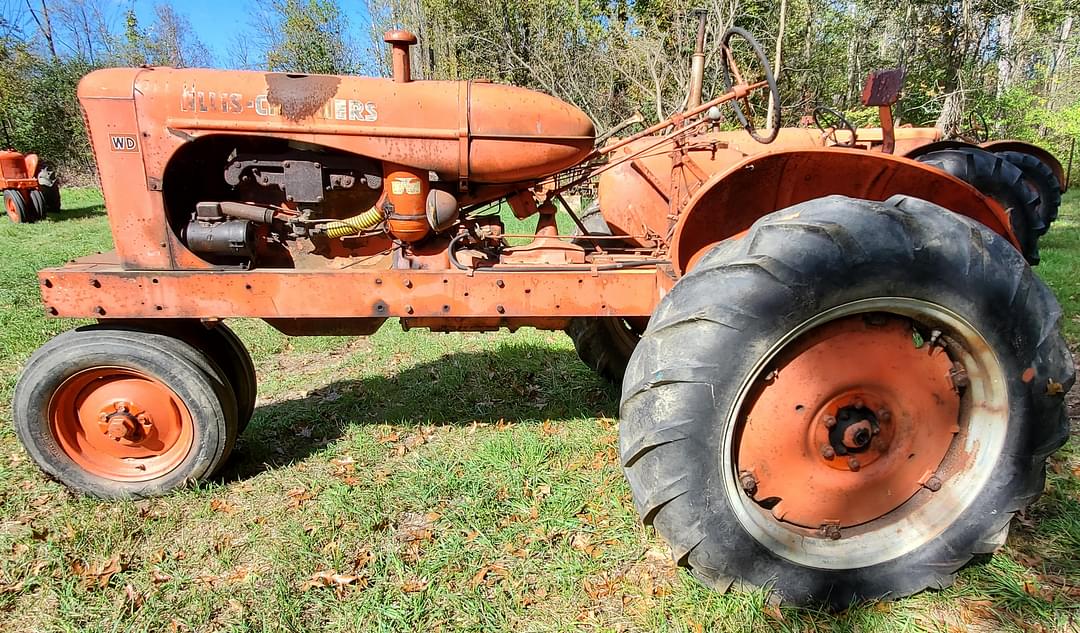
x: 468, y: 130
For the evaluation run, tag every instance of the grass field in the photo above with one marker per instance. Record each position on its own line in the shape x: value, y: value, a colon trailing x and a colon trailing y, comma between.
x: 431, y: 482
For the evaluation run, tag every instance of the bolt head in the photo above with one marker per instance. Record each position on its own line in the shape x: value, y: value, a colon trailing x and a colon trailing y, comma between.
x: 830, y: 421
x: 858, y: 403
x: 933, y: 484
x: 827, y: 452
x: 853, y: 464
x: 884, y: 415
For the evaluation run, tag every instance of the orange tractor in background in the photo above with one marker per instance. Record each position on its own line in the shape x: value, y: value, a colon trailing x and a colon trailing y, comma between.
x: 30, y: 188
x: 840, y: 377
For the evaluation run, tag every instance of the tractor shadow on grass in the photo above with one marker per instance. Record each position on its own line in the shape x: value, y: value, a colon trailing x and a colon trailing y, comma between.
x: 75, y: 213
x: 519, y: 383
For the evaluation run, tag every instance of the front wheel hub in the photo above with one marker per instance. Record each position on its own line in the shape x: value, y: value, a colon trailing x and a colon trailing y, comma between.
x: 841, y: 443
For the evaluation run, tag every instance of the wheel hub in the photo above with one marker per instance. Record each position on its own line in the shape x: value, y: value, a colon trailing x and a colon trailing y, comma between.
x: 834, y: 443
x: 125, y: 421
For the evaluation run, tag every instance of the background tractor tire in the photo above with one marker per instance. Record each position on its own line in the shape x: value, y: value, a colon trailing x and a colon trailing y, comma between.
x: 715, y: 344
x: 1040, y: 178
x: 38, y: 204
x: 15, y: 207
x: 603, y: 343
x: 50, y: 187
x: 999, y: 179
x: 54, y: 420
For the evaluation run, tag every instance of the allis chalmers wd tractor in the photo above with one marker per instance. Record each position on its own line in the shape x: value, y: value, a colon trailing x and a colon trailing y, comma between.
x: 840, y: 377
x: 29, y: 187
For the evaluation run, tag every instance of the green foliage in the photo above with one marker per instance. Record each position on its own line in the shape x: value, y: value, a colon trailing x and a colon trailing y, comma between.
x: 39, y: 111
x: 308, y: 36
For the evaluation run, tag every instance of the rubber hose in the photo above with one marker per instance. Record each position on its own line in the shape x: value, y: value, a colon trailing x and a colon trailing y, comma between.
x: 351, y: 226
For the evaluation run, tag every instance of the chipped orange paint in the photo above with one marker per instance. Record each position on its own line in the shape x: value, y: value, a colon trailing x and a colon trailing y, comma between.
x: 784, y: 433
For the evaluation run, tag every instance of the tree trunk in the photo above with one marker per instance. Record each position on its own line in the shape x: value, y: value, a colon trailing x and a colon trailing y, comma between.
x: 776, y: 61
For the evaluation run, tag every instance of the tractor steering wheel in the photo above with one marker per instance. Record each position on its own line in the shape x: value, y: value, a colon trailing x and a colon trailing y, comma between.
x: 978, y: 130
x: 743, y: 107
x: 829, y: 121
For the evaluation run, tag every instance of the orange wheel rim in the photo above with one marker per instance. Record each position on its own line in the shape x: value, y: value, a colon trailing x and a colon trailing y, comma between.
x: 854, y: 418
x: 12, y: 210
x: 121, y: 424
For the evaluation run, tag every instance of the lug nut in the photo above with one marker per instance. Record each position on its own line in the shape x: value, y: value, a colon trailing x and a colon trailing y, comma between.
x: 933, y: 484
x: 853, y: 464
x: 884, y: 415
x: 827, y: 452
x: 858, y: 403
x: 830, y: 421
x: 748, y: 482
x: 829, y: 531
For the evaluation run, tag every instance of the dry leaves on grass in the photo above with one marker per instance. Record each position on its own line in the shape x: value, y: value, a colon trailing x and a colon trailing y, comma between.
x: 99, y: 574
x: 236, y: 576
x: 414, y: 585
x: 221, y: 505
x: 413, y: 526
x: 345, y: 470
x: 339, y: 582
x: 297, y: 497
x: 489, y: 576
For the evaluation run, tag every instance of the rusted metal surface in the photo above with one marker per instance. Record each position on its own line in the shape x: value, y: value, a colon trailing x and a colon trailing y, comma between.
x: 882, y: 87
x: 120, y: 424
x: 832, y: 440
x: 101, y: 290
x: 299, y: 97
x: 17, y: 170
x: 734, y: 200
x: 400, y: 41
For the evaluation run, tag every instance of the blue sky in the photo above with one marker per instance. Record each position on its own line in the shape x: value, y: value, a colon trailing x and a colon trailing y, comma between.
x: 218, y: 22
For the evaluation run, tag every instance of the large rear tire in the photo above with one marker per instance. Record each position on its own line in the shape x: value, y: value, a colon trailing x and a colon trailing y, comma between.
x: 899, y: 335
x: 1040, y: 178
x: 1001, y: 180
x: 120, y: 413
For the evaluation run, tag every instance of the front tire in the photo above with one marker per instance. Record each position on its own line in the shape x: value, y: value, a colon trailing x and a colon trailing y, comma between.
x: 120, y: 413
x: 15, y: 207
x: 897, y: 334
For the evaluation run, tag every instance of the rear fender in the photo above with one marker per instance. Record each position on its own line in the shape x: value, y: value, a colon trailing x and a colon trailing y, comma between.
x: 729, y: 202
x: 922, y: 150
x: 1034, y: 150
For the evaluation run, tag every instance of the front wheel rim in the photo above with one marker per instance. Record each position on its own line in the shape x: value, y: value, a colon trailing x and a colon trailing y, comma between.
x: 120, y: 424
x: 948, y: 480
x: 12, y: 209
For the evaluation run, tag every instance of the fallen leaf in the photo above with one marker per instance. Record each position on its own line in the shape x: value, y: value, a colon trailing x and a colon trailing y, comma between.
x: 549, y: 428
x: 489, y: 575
x: 220, y: 505
x: 134, y: 598
x: 297, y: 496
x: 157, y: 576
x: 98, y: 575
x: 414, y: 585
x: 503, y: 425
x: 774, y: 612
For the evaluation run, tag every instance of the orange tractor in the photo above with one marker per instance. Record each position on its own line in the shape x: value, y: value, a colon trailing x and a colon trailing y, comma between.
x: 840, y: 377
x: 29, y: 187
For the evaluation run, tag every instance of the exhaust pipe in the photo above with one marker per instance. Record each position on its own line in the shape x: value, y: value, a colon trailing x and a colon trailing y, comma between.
x: 697, y: 62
